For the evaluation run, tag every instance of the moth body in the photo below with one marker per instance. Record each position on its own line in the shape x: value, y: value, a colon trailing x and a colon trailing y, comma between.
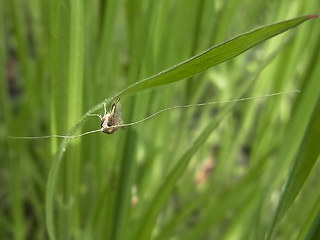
x: 112, y: 119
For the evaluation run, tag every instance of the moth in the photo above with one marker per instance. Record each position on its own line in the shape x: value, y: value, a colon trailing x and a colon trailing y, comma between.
x: 111, y: 120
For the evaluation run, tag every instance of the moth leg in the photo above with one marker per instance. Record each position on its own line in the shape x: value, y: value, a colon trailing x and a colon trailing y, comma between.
x: 95, y: 115
x: 105, y: 109
x: 113, y: 110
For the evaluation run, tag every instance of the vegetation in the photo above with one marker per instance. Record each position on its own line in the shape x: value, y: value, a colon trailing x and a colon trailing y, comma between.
x: 242, y: 170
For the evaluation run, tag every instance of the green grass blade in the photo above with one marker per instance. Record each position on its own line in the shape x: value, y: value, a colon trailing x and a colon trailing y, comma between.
x: 306, y: 159
x: 123, y: 197
x: 215, y: 55
x: 312, y: 223
x: 296, y: 132
x: 314, y: 232
x: 74, y: 75
x: 148, y: 220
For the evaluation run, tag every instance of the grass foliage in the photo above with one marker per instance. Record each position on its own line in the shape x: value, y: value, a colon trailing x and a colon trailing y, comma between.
x: 245, y: 170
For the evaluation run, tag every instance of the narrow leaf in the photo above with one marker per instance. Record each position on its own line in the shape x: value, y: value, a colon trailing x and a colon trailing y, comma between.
x: 312, y: 224
x: 314, y: 232
x: 215, y: 55
x: 306, y: 159
x: 149, y: 218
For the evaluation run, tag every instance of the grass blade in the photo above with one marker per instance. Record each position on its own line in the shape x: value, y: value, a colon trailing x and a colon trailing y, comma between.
x: 312, y: 223
x: 314, y: 232
x: 300, y: 125
x: 149, y: 218
x: 215, y: 55
x: 306, y: 159
x: 73, y: 73
x: 145, y: 226
x: 123, y: 197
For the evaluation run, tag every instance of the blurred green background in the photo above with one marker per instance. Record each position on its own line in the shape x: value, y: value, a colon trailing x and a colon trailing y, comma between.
x: 155, y: 180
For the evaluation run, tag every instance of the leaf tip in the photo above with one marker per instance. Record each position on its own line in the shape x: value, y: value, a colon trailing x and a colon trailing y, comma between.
x: 313, y: 16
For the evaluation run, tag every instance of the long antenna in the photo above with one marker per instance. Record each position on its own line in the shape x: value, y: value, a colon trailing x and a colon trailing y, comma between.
x: 116, y: 126
x: 57, y: 136
x: 206, y: 104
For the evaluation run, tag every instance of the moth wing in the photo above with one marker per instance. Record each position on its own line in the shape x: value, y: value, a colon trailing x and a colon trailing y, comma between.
x: 118, y: 114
